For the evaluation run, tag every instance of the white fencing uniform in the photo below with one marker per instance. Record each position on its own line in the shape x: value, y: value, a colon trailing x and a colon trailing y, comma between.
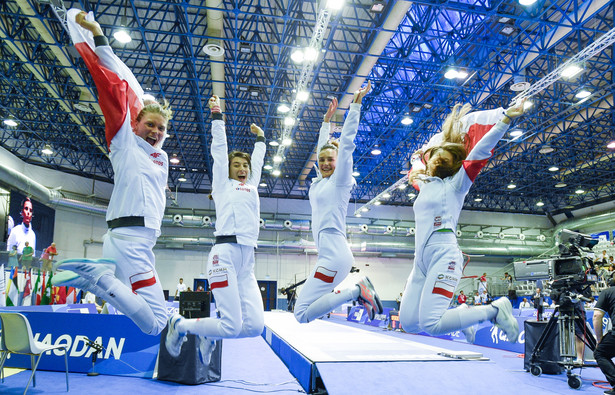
x: 329, y: 199
x: 438, y: 262
x: 140, y: 178
x: 19, y: 235
x: 230, y: 266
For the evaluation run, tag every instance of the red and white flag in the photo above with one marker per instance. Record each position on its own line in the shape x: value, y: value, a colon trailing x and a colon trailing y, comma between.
x: 219, y: 281
x: 26, y: 300
x: 324, y: 274
x: 71, y: 295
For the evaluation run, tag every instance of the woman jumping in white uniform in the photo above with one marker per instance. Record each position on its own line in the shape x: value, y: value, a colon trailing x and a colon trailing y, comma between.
x: 329, y: 197
x: 230, y: 267
x: 438, y: 261
x: 135, y: 130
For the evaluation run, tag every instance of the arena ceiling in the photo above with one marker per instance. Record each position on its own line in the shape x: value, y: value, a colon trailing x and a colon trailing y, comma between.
x: 405, y: 51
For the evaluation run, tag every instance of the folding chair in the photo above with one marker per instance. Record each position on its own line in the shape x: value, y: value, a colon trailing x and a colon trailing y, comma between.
x: 18, y: 339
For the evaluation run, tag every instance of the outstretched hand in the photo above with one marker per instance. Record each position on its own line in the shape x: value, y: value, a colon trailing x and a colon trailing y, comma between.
x: 517, y: 110
x: 92, y: 26
x: 331, y: 110
x: 255, y: 129
x: 214, y: 104
x: 360, y: 94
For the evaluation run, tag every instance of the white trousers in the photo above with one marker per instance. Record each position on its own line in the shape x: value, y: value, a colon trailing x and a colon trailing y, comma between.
x: 135, y: 290
x: 430, y: 287
x: 230, y: 271
x: 333, y: 265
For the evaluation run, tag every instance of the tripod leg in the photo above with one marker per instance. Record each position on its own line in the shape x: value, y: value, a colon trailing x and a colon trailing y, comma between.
x: 540, y: 344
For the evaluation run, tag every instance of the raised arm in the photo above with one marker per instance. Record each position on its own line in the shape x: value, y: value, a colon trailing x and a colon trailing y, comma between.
x: 258, y: 155
x: 219, y: 149
x: 343, y: 168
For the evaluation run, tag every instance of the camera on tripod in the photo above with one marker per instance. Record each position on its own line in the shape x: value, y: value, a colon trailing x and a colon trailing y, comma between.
x: 573, y: 270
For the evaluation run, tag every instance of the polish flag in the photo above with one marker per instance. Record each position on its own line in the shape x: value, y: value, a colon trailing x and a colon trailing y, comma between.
x: 220, y: 281
x: 141, y: 280
x: 324, y: 274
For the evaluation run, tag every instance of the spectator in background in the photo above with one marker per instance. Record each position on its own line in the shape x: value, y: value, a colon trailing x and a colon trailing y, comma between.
x: 604, y: 259
x: 26, y: 256
x: 461, y: 299
x: 200, y: 288
x: 482, y: 283
x: 398, y: 300
x: 484, y: 297
x: 23, y: 233
x: 13, y: 258
x: 525, y: 304
x: 539, y: 300
x: 181, y: 287
x: 48, y: 256
x: 477, y: 299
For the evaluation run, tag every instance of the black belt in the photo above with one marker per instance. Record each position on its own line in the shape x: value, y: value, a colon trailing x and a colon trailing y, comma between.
x: 123, y: 222
x: 226, y: 239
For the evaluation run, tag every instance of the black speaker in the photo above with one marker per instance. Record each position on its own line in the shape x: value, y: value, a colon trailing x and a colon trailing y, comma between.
x: 550, y: 351
x: 194, y: 304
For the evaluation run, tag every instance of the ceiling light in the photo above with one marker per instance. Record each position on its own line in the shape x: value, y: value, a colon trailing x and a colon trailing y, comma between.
x: 553, y: 168
x: 386, y: 195
x: 274, y: 143
x: 504, y: 19
x: 47, y: 150
x: 511, y: 186
x: 377, y: 7
x: 267, y: 167
x: 10, y: 122
x: 335, y: 4
x: 561, y: 185
x: 182, y: 178
x: 412, y: 195
x: 122, y: 36
x: 357, y: 215
x: 527, y: 104
x: 527, y: 2
x: 244, y: 48
x: 310, y: 54
x: 283, y: 108
x: 540, y: 204
x: 579, y: 191
x: 478, y: 199
x: 287, y: 141
x: 277, y: 159
x: 356, y: 174
x: 276, y: 173
x: 262, y: 184
x: 611, y: 145
x: 365, y: 209
x: 377, y: 203
x: 450, y: 74
x: 402, y: 187
x: 508, y: 30
x: 297, y: 56
x: 546, y: 149
x: 289, y: 121
x: 195, y: 169
x: 571, y: 71
x: 174, y: 160
x: 516, y: 133
x: 376, y: 151
x: 303, y: 95
x: 583, y: 94
x: 462, y: 74
x: 406, y: 120
x: 254, y: 91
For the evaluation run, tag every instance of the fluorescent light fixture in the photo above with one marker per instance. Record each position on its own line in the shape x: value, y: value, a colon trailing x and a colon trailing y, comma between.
x: 357, y: 215
x: 47, y: 150
x: 462, y: 74
x: 511, y: 186
x: 478, y: 200
x: 122, y: 36
x: 283, y: 108
x: 365, y: 209
x: 10, y: 122
x: 377, y: 203
x: 262, y: 184
x: 356, y: 174
x: 335, y: 4
x: 274, y: 143
x: 579, y: 191
x: 174, y: 159
x: 571, y: 71
x: 553, y: 168
x: 583, y: 94
x: 310, y: 54
x: 297, y: 56
x: 377, y: 6
x: 376, y: 151
x: 450, y: 74
x: 412, y: 195
x: 287, y: 141
x: 406, y: 120
x: 561, y: 185
x: 611, y: 145
x: 527, y: 2
x: 276, y: 173
x: 267, y: 167
x: 546, y: 149
x: 402, y: 187
x: 540, y: 204
x: 244, y: 48
x: 516, y: 133
x: 182, y: 178
x: 527, y: 104
x: 303, y: 95
x: 386, y: 195
x: 277, y: 159
x: 289, y: 121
